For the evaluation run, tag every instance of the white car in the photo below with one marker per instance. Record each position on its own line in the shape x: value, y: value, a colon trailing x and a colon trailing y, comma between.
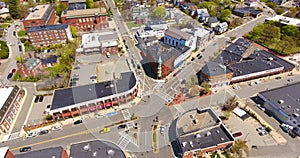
x: 56, y: 128
x: 99, y: 116
x: 31, y: 134
x: 162, y: 130
x: 257, y: 82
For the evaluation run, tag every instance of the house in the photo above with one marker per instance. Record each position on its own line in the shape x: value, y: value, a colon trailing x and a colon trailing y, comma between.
x: 141, y: 19
x: 96, y: 148
x: 203, y: 36
x: 279, y: 2
x: 201, y: 14
x: 4, y: 11
x: 40, y: 15
x: 160, y: 3
x: 251, y: 3
x: 221, y: 28
x: 175, y: 37
x: 49, y: 34
x: 196, y: 136
x: 177, y: 2
x: 247, y: 11
x: 50, y: 62
x: 170, y: 13
x: 31, y: 67
x: 53, y: 152
x: 212, y: 22
x: 5, y: 152
x: 138, y: 10
x: 10, y: 102
x: 101, y: 42
x: 86, y: 19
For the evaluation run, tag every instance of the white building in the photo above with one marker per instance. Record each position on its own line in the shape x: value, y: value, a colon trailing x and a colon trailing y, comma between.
x: 285, y: 20
x: 175, y: 37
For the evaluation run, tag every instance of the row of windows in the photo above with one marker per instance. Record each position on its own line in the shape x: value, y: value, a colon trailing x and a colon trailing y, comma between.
x: 85, y: 20
x: 37, y: 38
x: 46, y: 32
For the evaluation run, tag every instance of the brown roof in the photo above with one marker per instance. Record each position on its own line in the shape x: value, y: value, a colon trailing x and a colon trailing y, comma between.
x: 178, y: 34
x: 83, y: 12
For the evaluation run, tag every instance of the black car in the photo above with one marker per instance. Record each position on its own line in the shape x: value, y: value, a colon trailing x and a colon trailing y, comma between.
x: 36, y: 99
x: 199, y: 57
x: 41, y: 98
x: 192, y: 59
x: 14, y: 33
x: 44, y: 132
x: 9, y: 76
x: 25, y: 149
x: 20, y: 48
x: 278, y: 78
x: 77, y: 122
x: 122, y: 126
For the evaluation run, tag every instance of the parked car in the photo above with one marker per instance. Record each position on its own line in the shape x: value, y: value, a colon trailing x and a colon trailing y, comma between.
x: 25, y: 149
x: 20, y: 48
x: 98, y: 116
x: 13, y: 71
x: 42, y: 132
x: 31, y: 134
x: 77, y: 122
x: 14, y: 33
x: 72, y: 84
x: 9, y: 76
x: 237, y: 134
x: 162, y: 130
x: 122, y: 126
x: 198, y: 55
x: 56, y: 128
x: 286, y: 128
x: 261, y: 128
x: 257, y: 82
x: 192, y: 59
x: 278, y: 78
x: 41, y: 98
x: 36, y: 99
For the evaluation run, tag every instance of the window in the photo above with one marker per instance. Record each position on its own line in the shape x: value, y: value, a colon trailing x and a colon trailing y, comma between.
x: 87, y: 19
x: 80, y: 20
x: 91, y: 19
x: 9, y: 120
x: 83, y: 20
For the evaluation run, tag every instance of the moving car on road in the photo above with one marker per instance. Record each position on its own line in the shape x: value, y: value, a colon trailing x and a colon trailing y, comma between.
x: 122, y: 126
x: 104, y: 130
x: 56, y: 128
x: 237, y: 134
x: 42, y: 132
x: 25, y: 149
x: 31, y: 134
x: 77, y: 122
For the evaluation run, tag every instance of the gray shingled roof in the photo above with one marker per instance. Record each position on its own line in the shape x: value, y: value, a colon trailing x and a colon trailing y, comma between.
x: 178, y: 34
x: 46, y: 153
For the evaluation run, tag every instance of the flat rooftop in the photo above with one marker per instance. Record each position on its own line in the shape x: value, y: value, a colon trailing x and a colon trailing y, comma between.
x: 93, y: 40
x: 204, y: 118
x: 83, y: 12
x: 96, y: 148
x: 205, y: 139
x: 38, y: 12
x: 285, y: 99
x: 4, y: 93
x: 285, y: 20
x: 74, y: 95
x: 47, y: 27
x: 53, y: 152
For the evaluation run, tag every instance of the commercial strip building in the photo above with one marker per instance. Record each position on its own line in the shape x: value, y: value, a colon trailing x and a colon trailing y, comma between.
x: 70, y: 102
x: 49, y: 34
x: 86, y: 19
x: 10, y: 102
x: 283, y: 104
x: 101, y: 42
x: 285, y: 20
x: 241, y: 62
x: 53, y: 152
x: 201, y: 131
x: 39, y: 16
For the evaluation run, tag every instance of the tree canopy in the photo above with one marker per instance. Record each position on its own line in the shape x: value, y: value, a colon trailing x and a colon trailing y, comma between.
x: 225, y: 14
x: 89, y: 4
x: 211, y: 7
x: 158, y: 12
x: 13, y: 8
x: 290, y: 30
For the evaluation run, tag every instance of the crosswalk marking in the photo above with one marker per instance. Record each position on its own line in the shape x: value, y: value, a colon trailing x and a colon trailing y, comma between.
x: 179, y: 108
x: 126, y: 114
x: 125, y: 139
x: 14, y: 135
x: 130, y: 124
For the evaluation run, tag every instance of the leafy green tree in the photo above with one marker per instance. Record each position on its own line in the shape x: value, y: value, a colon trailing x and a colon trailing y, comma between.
x: 279, y: 11
x: 194, y: 92
x: 89, y: 4
x: 31, y: 3
x: 59, y: 8
x: 158, y: 12
x: 109, y: 12
x: 211, y: 7
x: 239, y: 148
x: 290, y: 30
x: 73, y: 31
x: 272, y: 5
x: 270, y: 33
x: 23, y: 10
x: 13, y: 8
x: 206, y: 88
x: 225, y: 14
x: 287, y: 45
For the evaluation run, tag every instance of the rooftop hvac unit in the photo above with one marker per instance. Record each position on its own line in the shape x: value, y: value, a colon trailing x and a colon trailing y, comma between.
x: 208, y: 133
x: 110, y: 152
x: 280, y: 101
x: 198, y: 135
x: 191, y: 143
x: 184, y: 144
x: 86, y: 147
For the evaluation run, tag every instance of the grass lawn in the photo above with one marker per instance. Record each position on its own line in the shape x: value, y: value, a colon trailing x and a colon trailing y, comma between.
x: 132, y: 24
x: 4, y: 26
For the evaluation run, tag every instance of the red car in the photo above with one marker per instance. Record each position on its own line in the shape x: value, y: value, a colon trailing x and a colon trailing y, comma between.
x: 13, y: 70
x: 237, y: 134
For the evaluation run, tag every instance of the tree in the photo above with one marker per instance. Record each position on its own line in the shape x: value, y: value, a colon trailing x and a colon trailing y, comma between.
x: 206, y: 88
x: 290, y: 30
x: 225, y: 14
x: 270, y: 33
x: 279, y: 11
x: 109, y: 12
x: 194, y: 92
x: 23, y: 10
x: 59, y: 9
x: 194, y: 79
x: 287, y: 45
x: 13, y: 8
x: 89, y: 4
x: 158, y: 12
x: 31, y: 3
x: 272, y: 5
x: 239, y: 148
x: 211, y: 7
x: 73, y: 31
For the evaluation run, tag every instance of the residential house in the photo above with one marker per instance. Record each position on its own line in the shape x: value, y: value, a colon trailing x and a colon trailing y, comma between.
x: 86, y: 19
x: 5, y: 152
x: 49, y: 62
x: 142, y: 18
x: 40, y: 15
x: 191, y: 7
x: 101, y: 42
x: 49, y: 34
x: 53, y: 152
x: 201, y: 15
x: 251, y: 3
x: 4, y: 11
x: 76, y: 4
x: 177, y: 2
x: 31, y: 67
x: 221, y: 28
x: 160, y: 3
x: 138, y: 10
x: 170, y: 13
x: 10, y: 102
x: 212, y: 22
x: 279, y: 2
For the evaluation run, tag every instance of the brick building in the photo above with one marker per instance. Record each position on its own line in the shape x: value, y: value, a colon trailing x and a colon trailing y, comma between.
x: 40, y: 15
x: 86, y: 19
x: 50, y: 34
x: 10, y: 102
x: 53, y: 152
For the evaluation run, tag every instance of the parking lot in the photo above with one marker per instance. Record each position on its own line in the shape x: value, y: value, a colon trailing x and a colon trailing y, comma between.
x: 37, y: 112
x: 248, y: 129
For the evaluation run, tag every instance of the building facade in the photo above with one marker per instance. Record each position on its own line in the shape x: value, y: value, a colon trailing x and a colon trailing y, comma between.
x: 86, y: 19
x: 6, y: 153
x: 30, y: 68
x: 49, y: 34
x: 10, y: 102
x: 40, y: 15
x: 175, y: 37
